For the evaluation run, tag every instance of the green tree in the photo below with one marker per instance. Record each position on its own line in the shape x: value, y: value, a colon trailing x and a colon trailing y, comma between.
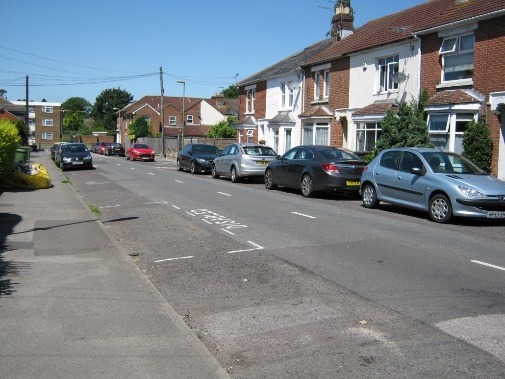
x: 404, y: 128
x: 9, y: 142
x: 2, y: 92
x: 231, y: 92
x: 73, y: 122
x: 103, y: 110
x: 223, y: 129
x: 139, y: 128
x: 77, y: 104
x: 478, y: 144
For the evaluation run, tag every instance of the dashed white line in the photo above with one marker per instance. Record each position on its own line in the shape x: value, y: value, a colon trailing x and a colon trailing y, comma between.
x: 224, y: 193
x: 488, y: 265
x: 110, y: 206
x: 257, y: 247
x: 301, y: 214
x: 173, y: 206
x: 178, y: 181
x: 155, y: 202
x: 227, y: 231
x: 150, y: 173
x: 173, y: 259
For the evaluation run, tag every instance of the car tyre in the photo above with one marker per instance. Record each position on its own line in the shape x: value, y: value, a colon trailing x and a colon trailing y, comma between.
x: 233, y: 174
x: 213, y: 172
x: 179, y: 168
x: 269, y: 180
x: 307, y: 186
x: 440, y: 209
x: 369, y: 196
x: 193, y: 168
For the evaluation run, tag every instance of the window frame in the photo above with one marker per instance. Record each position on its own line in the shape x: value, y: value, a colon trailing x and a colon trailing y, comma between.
x: 317, y: 85
x: 172, y: 120
x: 457, y: 51
x: 47, y: 122
x: 48, y: 109
x: 326, y: 84
x: 47, y: 136
x: 189, y: 119
x: 385, y: 69
x: 361, y: 127
x: 250, y: 100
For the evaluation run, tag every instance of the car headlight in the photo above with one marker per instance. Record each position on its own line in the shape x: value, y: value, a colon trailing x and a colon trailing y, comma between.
x: 87, y: 158
x: 469, y: 192
x: 65, y: 159
x: 200, y: 160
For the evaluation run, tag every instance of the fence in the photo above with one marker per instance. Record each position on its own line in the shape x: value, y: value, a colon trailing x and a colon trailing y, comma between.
x: 174, y: 145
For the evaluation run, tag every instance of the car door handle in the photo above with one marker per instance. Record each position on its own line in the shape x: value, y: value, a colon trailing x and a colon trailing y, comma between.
x: 398, y: 178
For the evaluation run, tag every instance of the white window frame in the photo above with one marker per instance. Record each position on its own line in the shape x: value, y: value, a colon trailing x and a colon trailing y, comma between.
x: 450, y: 131
x: 250, y: 135
x: 47, y: 122
x: 283, y: 95
x: 317, y: 85
x: 316, y: 128
x: 287, y: 95
x: 386, y: 66
x: 189, y: 119
x: 172, y: 120
x: 453, y: 47
x: 47, y: 109
x: 364, y: 128
x: 326, y: 84
x: 47, y: 136
x: 31, y: 109
x: 250, y: 100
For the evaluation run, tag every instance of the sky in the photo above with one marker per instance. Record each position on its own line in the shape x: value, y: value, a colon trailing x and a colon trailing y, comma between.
x: 71, y: 48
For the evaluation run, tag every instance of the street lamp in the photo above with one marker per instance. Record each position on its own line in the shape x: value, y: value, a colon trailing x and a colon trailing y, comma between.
x: 183, y: 82
x: 119, y: 123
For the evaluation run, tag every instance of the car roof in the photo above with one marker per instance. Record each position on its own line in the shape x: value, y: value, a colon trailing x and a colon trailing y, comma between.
x: 418, y: 149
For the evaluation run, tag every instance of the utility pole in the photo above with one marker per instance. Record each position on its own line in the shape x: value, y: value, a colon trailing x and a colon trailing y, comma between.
x: 27, y: 120
x: 162, y: 126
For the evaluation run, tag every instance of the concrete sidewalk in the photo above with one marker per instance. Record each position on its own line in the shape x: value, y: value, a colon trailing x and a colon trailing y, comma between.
x: 72, y: 304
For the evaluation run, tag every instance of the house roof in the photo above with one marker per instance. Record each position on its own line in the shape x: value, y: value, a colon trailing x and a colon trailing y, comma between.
x: 283, y: 118
x: 189, y: 131
x: 248, y: 120
x: 457, y: 96
x: 317, y: 111
x: 223, y: 105
x: 289, y: 64
x: 8, y: 106
x: 402, y: 25
x: 376, y: 108
x: 155, y: 103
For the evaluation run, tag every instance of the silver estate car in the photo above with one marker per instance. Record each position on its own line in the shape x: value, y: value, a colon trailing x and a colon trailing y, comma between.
x: 240, y: 160
x: 443, y: 184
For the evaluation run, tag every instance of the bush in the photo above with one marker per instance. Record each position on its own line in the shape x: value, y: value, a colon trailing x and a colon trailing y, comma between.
x: 9, y: 142
x: 477, y: 144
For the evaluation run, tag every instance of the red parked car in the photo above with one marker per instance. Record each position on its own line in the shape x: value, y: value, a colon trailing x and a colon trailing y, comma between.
x: 102, y: 147
x: 140, y: 151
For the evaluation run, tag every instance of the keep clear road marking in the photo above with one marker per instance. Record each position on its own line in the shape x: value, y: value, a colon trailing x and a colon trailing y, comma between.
x: 256, y: 247
x: 174, y: 259
x: 224, y: 193
x: 488, y: 265
x: 301, y: 214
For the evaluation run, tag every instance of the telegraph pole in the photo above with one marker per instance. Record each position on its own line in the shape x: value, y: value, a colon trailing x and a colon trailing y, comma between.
x: 162, y: 126
x: 27, y: 119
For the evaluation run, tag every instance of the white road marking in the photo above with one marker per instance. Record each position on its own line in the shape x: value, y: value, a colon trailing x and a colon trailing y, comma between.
x: 155, y: 202
x: 301, y: 214
x: 257, y: 247
x: 178, y: 181
x: 110, y: 206
x: 224, y: 193
x: 488, y: 265
x: 191, y: 214
x: 150, y: 173
x: 227, y: 231
x: 173, y: 206
x: 132, y: 168
x: 174, y: 259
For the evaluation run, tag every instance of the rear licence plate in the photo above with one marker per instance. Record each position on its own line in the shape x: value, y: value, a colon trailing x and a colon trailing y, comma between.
x: 495, y: 214
x: 352, y: 183
x: 263, y: 163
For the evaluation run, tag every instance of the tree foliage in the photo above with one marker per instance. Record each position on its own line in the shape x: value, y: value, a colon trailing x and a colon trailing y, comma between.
x: 223, y: 129
x: 404, y: 128
x: 231, y: 92
x: 73, y: 122
x: 478, y: 144
x: 9, y: 142
x: 77, y: 104
x: 103, y: 110
x: 2, y: 92
x: 23, y: 131
x: 139, y: 128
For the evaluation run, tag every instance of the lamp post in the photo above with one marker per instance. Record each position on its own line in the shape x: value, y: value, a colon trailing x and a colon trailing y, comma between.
x: 183, y: 82
x: 119, y: 123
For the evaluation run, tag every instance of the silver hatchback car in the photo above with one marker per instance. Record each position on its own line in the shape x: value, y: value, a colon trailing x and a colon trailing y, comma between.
x: 443, y: 184
x: 240, y: 160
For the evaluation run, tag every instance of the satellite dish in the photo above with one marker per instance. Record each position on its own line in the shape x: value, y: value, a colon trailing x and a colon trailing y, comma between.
x: 398, y: 77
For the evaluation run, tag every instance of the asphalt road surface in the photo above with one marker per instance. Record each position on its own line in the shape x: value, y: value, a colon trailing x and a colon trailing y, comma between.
x: 277, y: 285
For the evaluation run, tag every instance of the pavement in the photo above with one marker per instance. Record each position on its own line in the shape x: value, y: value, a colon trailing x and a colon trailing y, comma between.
x: 73, y: 304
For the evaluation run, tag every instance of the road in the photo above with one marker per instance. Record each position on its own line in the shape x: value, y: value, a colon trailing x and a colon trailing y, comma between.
x: 277, y: 285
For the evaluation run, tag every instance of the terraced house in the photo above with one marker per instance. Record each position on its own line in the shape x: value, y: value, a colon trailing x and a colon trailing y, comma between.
x: 451, y: 49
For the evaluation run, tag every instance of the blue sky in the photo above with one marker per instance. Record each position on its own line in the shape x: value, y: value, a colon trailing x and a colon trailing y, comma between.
x: 80, y: 48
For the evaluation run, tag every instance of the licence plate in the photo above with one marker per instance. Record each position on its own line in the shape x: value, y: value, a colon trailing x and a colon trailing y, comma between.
x: 76, y: 163
x: 263, y: 163
x: 495, y: 214
x: 352, y: 183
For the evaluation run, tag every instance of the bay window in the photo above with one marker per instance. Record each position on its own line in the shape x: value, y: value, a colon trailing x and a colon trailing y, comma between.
x: 367, y: 134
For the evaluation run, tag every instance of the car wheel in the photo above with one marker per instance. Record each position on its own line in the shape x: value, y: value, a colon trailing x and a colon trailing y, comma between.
x: 193, y: 168
x: 307, y: 186
x: 440, y: 209
x: 213, y: 172
x: 369, y: 196
x: 179, y: 168
x: 269, y: 180
x: 234, y: 177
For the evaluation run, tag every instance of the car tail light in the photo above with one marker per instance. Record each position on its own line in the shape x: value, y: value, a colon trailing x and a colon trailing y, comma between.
x: 365, y: 168
x: 330, y: 168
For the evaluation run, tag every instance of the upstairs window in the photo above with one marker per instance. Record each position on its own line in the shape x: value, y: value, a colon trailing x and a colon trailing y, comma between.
x: 287, y: 91
x: 317, y: 85
x: 250, y: 100
x: 326, y: 80
x: 457, y: 57
x: 189, y: 118
x: 47, y: 122
x: 47, y: 109
x: 172, y: 120
x: 386, y: 67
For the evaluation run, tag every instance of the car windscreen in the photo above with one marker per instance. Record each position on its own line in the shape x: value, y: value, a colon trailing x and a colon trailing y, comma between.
x: 205, y: 150
x: 75, y: 148
x: 116, y: 145
x: 141, y: 146
x: 259, y: 150
x: 340, y: 155
x: 449, y: 163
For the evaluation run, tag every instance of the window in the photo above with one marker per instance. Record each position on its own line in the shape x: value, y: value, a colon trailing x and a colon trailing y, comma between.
x: 47, y: 136
x: 317, y: 85
x: 287, y: 139
x: 31, y: 109
x: 447, y: 130
x: 276, y: 140
x: 457, y: 57
x: 31, y: 122
x: 386, y: 68
x: 287, y: 91
x: 250, y: 99
x: 172, y: 120
x: 250, y: 135
x: 47, y: 122
x: 47, y: 109
x: 326, y: 79
x: 367, y: 134
x: 318, y: 134
x: 189, y: 118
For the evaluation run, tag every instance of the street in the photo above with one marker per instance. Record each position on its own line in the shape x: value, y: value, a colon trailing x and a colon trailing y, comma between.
x: 278, y: 285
